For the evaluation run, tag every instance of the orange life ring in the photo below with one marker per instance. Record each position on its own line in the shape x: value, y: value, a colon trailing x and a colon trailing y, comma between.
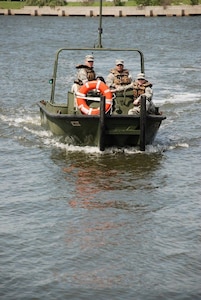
x: 93, y: 85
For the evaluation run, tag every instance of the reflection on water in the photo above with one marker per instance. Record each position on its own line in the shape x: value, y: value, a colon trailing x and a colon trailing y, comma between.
x: 93, y: 176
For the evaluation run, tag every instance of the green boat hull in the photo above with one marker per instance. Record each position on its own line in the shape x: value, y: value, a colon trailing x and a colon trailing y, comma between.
x: 82, y: 130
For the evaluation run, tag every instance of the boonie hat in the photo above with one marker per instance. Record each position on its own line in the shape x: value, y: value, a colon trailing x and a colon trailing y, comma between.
x: 89, y: 58
x: 119, y: 62
x: 141, y: 76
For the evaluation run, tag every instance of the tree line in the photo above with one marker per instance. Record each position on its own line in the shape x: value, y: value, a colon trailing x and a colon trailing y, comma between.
x: 114, y: 2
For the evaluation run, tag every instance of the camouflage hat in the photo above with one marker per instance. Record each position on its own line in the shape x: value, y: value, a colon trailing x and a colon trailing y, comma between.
x: 119, y: 62
x: 89, y: 58
x: 140, y: 76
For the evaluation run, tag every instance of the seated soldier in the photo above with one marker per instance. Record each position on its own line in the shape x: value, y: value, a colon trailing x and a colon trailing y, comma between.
x: 141, y: 86
x: 85, y: 73
x: 118, y: 77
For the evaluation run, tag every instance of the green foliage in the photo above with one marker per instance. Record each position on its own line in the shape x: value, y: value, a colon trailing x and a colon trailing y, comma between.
x: 53, y: 3
x: 118, y: 3
x: 153, y: 2
x: 40, y: 3
x: 194, y: 2
x: 11, y: 4
x: 130, y: 3
x: 166, y: 2
x: 88, y: 2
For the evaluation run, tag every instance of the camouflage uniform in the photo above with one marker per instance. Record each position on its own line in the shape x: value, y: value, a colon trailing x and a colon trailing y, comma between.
x: 144, y: 89
x: 85, y: 73
x: 115, y: 78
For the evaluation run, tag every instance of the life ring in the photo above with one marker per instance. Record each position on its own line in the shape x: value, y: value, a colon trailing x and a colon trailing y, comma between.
x: 101, y: 87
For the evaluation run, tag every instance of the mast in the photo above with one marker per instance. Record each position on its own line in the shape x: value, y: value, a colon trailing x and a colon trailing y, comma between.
x: 100, y: 30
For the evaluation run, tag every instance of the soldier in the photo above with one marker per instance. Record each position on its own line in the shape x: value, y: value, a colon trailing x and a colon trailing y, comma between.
x: 141, y: 86
x: 118, y: 76
x: 85, y: 73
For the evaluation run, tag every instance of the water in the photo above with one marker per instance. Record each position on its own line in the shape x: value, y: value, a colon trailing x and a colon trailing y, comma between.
x: 78, y: 224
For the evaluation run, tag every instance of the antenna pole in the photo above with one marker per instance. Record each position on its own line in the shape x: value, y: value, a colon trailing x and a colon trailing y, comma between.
x: 100, y: 30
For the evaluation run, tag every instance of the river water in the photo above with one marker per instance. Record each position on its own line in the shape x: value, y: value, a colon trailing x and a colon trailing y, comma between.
x: 80, y: 224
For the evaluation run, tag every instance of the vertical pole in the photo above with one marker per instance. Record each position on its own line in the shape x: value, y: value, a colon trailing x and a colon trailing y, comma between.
x: 100, y: 30
x: 53, y: 79
x: 102, y: 124
x: 143, y: 118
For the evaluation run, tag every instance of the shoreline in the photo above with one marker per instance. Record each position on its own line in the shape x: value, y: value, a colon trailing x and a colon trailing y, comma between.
x: 116, y: 11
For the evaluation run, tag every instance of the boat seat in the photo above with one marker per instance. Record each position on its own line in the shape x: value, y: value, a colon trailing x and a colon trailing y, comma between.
x: 123, y: 102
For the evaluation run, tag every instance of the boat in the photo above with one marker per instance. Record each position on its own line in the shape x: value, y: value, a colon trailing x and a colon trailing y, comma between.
x: 96, y: 116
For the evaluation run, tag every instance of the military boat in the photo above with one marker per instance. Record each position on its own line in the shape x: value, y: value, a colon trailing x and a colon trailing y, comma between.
x: 95, y: 116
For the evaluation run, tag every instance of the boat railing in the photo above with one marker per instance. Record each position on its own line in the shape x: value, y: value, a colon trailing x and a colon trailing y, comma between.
x: 88, y: 98
x: 54, y: 76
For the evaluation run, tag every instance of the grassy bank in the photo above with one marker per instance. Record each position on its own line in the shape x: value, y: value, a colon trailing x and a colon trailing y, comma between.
x: 21, y: 4
x: 11, y: 4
